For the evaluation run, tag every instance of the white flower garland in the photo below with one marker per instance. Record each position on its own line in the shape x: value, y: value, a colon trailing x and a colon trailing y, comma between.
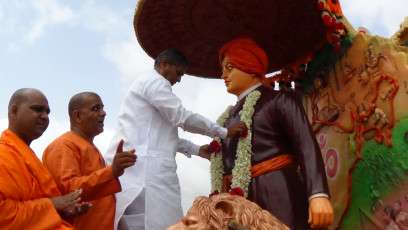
x: 241, y: 172
x: 216, y: 167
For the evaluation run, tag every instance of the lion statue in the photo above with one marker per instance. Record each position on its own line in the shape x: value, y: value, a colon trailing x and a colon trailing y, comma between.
x: 226, y: 211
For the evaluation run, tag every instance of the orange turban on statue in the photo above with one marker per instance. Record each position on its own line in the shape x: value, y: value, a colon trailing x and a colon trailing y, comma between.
x: 246, y: 56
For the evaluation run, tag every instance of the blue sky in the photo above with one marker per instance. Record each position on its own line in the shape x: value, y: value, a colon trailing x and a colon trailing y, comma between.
x: 67, y: 47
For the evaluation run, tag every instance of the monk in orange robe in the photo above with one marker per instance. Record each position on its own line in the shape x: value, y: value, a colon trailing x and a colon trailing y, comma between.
x: 75, y: 162
x: 29, y: 197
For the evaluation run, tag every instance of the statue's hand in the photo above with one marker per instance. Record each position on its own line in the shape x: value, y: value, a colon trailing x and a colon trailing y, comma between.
x: 320, y: 212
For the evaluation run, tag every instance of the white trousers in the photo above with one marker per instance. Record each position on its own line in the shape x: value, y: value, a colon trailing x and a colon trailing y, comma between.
x: 134, y: 216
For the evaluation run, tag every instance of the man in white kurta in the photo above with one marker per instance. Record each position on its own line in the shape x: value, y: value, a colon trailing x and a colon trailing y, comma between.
x: 148, y: 122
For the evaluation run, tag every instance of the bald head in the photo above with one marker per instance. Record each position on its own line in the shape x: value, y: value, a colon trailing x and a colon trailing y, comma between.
x: 28, y: 114
x: 86, y: 115
x: 21, y: 96
x: 77, y: 101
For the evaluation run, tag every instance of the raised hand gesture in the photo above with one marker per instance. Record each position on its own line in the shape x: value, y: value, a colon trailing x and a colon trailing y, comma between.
x: 122, y: 160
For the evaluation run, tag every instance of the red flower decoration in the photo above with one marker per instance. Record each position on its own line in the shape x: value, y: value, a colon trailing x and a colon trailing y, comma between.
x: 321, y: 5
x: 335, y: 38
x: 336, y: 47
x: 214, y: 193
x: 214, y: 146
x: 245, y: 133
x: 326, y: 18
x: 236, y: 191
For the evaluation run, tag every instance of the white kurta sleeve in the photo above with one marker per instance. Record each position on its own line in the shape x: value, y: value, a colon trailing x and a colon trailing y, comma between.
x: 160, y: 95
x: 199, y: 124
x: 187, y: 148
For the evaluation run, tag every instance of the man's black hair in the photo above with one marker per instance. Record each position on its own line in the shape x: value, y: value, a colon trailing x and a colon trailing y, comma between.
x: 174, y: 56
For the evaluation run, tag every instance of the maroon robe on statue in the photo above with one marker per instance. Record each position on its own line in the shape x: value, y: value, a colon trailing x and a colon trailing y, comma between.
x: 280, y: 126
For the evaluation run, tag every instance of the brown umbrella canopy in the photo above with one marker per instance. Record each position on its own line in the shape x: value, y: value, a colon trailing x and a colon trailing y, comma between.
x: 286, y: 30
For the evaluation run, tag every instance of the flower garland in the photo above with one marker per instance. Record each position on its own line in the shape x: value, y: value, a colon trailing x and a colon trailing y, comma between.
x: 241, y: 172
x: 216, y: 167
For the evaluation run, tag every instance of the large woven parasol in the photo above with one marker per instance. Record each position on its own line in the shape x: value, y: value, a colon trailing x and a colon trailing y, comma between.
x: 286, y: 30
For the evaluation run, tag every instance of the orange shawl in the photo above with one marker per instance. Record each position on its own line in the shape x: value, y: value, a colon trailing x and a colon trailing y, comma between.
x: 76, y: 163
x: 25, y: 188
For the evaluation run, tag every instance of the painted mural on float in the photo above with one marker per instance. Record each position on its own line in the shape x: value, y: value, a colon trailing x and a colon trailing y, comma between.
x: 358, y: 107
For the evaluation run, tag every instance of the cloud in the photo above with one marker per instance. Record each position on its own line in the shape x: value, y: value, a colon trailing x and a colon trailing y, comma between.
x: 121, y: 47
x: 11, y: 12
x: 50, y: 12
x: 1, y: 14
x: 23, y: 22
x: 26, y: 22
x: 103, y: 18
x: 29, y: 21
x: 379, y: 17
x: 128, y: 58
x: 10, y: 24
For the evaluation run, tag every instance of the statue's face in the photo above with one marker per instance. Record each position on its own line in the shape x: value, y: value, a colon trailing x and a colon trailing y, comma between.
x: 317, y: 83
x: 236, y: 81
x: 192, y: 221
x: 397, y: 208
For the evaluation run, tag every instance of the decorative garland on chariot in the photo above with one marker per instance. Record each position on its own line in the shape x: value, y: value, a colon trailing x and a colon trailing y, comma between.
x: 241, y: 172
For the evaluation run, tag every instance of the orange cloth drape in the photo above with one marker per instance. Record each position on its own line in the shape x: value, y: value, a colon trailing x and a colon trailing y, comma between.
x: 279, y: 162
x: 25, y: 188
x: 76, y: 163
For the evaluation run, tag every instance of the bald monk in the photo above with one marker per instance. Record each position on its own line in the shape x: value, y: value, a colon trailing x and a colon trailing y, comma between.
x: 29, y: 197
x: 75, y: 162
x: 286, y: 173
